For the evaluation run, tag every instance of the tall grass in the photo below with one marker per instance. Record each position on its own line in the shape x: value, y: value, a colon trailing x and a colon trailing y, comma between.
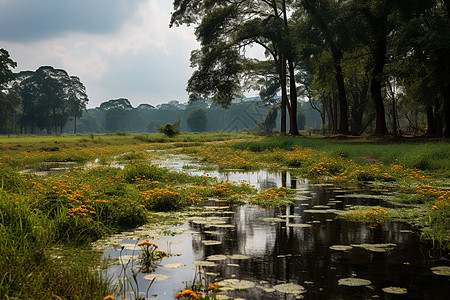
x: 420, y: 155
x: 30, y: 269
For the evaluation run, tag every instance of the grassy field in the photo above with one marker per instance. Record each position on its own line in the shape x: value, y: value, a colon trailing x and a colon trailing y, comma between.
x: 47, y: 222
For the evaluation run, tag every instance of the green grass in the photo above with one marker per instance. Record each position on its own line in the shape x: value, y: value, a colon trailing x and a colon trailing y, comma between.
x: 421, y: 155
x: 47, y: 221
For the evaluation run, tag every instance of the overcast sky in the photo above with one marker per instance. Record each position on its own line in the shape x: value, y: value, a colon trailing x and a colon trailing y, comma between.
x: 118, y: 48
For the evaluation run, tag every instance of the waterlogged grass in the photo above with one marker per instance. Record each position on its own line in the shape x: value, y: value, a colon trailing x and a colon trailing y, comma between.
x: 45, y: 220
x: 419, y: 169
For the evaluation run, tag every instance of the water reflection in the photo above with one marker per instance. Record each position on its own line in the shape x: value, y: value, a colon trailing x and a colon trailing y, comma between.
x: 292, y: 245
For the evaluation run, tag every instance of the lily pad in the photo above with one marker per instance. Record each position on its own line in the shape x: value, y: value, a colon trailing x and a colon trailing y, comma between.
x: 395, y: 290
x: 203, y: 263
x: 321, y: 211
x: 216, y: 257
x: 441, y: 270
x: 211, y: 243
x: 235, y: 284
x: 174, y: 265
x: 301, y: 198
x: 156, y: 277
x: 300, y: 225
x: 233, y: 265
x: 375, y: 247
x: 353, y: 282
x: 223, y: 225
x: 213, y: 232
x: 321, y: 207
x: 341, y: 247
x: 290, y: 288
x: 290, y: 217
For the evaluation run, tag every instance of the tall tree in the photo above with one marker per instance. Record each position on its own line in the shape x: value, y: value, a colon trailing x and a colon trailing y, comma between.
x: 224, y: 30
x: 49, y: 97
x: 8, y: 100
x: 330, y: 18
x: 77, y: 100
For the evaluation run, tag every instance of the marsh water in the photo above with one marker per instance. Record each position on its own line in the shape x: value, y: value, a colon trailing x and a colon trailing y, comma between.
x: 261, y: 248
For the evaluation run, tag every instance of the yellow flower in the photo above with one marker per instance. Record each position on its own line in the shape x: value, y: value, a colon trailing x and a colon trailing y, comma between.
x: 214, y: 286
x: 188, y: 293
x: 109, y: 297
x: 147, y: 243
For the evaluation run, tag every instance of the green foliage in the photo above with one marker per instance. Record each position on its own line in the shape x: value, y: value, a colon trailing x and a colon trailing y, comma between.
x: 274, y: 197
x: 49, y: 97
x: 6, y: 64
x: 165, y: 199
x: 76, y: 229
x: 375, y: 215
x: 170, y: 130
x: 142, y: 171
x: 30, y: 269
x: 12, y: 181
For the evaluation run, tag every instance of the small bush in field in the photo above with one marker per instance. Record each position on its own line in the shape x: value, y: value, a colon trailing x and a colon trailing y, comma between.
x: 142, y: 171
x: 162, y: 199
x: 170, y: 130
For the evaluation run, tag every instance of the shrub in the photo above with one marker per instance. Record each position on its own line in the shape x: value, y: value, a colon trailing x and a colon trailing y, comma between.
x: 119, y: 215
x: 142, y: 171
x: 170, y: 130
x: 162, y: 199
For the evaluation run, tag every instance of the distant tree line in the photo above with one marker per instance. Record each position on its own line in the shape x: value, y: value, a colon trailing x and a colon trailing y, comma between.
x: 44, y: 100
x: 118, y: 115
x: 375, y: 66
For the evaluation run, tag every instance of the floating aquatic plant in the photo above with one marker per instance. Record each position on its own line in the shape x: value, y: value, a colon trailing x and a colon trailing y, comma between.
x: 156, y: 277
x: 441, y: 270
x: 235, y: 284
x: 216, y: 257
x: 353, y: 282
x: 341, y: 247
x: 300, y: 225
x: 211, y: 242
x: 205, y: 264
x: 375, y: 247
x: 395, y: 290
x: 290, y: 288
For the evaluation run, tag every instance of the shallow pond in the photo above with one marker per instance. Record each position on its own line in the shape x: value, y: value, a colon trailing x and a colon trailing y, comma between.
x: 301, y: 251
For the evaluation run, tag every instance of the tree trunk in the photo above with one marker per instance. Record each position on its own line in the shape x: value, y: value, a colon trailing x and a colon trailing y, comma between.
x: 343, y: 105
x: 282, y: 74
x: 75, y: 125
x: 394, y: 116
x: 430, y: 121
x: 293, y: 129
x: 334, y: 106
x: 376, y: 83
